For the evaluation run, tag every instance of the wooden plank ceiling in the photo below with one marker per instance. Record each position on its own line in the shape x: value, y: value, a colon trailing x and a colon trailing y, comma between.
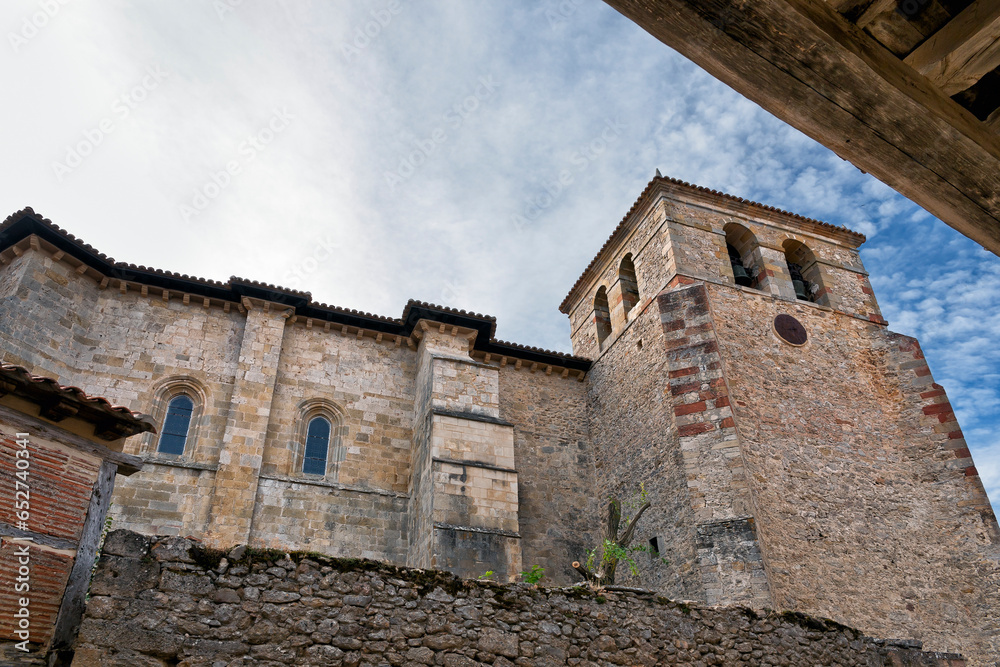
x: 907, y: 90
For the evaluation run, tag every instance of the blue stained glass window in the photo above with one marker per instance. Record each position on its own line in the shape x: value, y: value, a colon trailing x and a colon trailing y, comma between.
x: 173, y: 438
x: 317, y: 444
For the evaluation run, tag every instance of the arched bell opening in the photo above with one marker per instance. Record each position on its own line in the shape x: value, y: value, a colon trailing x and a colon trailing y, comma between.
x: 629, y: 284
x: 744, y: 256
x: 602, y: 316
x: 804, y: 271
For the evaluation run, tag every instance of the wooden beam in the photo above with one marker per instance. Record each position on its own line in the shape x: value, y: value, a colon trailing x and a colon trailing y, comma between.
x: 805, y: 63
x: 874, y: 9
x: 71, y: 609
x: 993, y: 122
x: 844, y: 6
x: 127, y: 463
x: 960, y: 53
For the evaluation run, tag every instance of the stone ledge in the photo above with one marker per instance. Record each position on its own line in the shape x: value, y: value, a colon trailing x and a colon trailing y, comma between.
x: 288, y: 479
x: 473, y: 464
x: 180, y: 463
x: 472, y: 416
x: 474, y: 529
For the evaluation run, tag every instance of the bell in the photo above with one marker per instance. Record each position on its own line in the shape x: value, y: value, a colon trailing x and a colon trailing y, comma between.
x: 742, y: 276
x: 801, y: 292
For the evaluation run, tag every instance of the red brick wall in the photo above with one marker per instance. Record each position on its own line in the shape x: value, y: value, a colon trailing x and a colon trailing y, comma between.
x: 48, y: 573
x: 60, y: 486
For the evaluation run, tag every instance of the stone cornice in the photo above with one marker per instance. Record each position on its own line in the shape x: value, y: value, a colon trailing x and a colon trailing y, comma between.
x: 472, y: 416
x: 27, y: 230
x: 337, y: 486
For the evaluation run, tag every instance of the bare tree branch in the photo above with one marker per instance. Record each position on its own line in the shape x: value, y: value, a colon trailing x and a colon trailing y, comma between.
x: 626, y: 537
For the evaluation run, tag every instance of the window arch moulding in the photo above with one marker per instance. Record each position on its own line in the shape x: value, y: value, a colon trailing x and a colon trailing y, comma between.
x: 179, y: 422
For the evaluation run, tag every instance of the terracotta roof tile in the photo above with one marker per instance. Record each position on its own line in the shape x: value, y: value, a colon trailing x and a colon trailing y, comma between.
x: 233, y: 280
x: 18, y: 380
x: 529, y: 348
x: 448, y: 309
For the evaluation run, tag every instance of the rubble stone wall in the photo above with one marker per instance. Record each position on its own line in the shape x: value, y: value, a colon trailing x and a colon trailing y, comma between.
x: 638, y: 448
x: 162, y: 602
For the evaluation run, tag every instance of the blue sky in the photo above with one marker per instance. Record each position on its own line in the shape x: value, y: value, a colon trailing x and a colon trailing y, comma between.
x: 421, y: 141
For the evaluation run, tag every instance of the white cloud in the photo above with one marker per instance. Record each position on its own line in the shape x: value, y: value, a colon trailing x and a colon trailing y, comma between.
x: 446, y: 233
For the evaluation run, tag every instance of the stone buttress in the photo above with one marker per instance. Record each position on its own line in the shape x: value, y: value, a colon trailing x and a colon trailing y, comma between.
x: 463, y: 503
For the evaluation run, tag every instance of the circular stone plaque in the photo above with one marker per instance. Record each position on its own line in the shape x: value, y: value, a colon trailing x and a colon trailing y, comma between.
x: 790, y: 330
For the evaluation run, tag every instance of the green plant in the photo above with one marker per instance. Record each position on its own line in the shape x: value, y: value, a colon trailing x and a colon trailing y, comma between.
x: 602, y: 561
x: 534, y: 575
x: 486, y: 575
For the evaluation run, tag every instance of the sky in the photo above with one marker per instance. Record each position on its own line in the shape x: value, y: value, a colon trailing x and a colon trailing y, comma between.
x: 373, y: 151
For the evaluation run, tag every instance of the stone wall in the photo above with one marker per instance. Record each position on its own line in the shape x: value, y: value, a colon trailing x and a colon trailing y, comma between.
x: 635, y: 443
x: 165, y: 603
x: 866, y: 509
x: 257, y: 372
x: 555, y: 465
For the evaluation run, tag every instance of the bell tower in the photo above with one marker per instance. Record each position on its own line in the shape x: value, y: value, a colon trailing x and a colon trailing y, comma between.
x: 797, y: 453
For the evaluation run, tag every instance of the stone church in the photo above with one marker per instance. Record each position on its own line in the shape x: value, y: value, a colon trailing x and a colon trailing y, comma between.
x: 728, y: 357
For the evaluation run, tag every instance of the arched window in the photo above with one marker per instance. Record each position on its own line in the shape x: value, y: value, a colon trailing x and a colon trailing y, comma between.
x: 744, y: 256
x: 629, y: 284
x: 317, y: 446
x: 807, y: 281
x: 176, y: 424
x: 178, y: 405
x: 602, y: 315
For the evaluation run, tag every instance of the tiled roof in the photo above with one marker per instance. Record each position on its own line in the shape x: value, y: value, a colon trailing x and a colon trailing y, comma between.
x: 26, y: 222
x: 657, y: 180
x: 59, y: 401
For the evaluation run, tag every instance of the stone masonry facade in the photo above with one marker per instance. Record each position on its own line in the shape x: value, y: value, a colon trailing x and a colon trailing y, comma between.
x: 824, y: 474
x: 169, y: 601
